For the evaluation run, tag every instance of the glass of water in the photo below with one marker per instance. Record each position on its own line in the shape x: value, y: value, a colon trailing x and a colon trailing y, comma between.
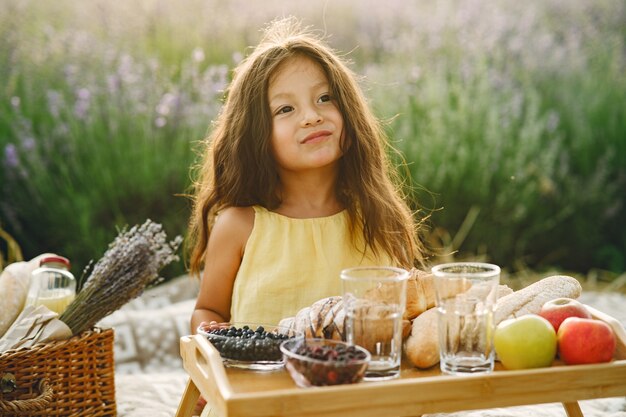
x: 466, y: 294
x: 374, y: 302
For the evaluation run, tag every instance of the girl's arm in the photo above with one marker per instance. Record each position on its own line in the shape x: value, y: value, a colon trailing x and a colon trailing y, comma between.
x: 225, y: 248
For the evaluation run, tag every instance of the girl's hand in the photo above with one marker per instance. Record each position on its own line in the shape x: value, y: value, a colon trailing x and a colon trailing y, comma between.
x: 199, y: 406
x: 212, y: 325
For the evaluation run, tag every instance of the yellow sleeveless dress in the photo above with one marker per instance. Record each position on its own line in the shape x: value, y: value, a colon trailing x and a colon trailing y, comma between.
x: 290, y: 263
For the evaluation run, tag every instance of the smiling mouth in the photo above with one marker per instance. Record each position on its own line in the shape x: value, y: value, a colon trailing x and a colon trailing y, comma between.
x: 316, y: 137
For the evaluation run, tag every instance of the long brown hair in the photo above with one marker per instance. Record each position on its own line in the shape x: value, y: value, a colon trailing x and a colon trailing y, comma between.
x: 238, y: 168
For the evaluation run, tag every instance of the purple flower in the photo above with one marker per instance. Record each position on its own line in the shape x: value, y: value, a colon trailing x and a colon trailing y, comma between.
x: 160, y: 122
x: 83, y: 94
x: 55, y: 102
x: 11, y: 159
x: 28, y: 143
x: 126, y: 70
x: 71, y: 72
x: 80, y: 109
x: 113, y: 84
x: 83, y: 102
x: 168, y: 102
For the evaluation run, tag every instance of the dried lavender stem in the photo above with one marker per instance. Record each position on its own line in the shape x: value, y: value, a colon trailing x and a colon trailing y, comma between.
x: 131, y: 264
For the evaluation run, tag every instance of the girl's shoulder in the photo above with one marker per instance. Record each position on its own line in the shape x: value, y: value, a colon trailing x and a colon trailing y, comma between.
x: 234, y: 224
x: 237, y: 217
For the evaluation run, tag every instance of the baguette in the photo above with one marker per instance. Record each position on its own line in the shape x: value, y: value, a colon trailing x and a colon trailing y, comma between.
x: 422, y: 346
x: 14, y: 285
x: 530, y: 299
x: 14, y: 282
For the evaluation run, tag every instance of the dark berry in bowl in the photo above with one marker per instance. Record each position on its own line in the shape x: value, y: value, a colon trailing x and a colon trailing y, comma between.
x: 248, y: 345
x: 319, y: 362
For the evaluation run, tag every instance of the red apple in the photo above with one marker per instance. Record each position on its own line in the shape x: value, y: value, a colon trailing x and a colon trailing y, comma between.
x: 557, y: 310
x: 585, y: 341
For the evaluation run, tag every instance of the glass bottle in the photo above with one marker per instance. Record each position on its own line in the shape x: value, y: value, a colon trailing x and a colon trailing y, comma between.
x: 52, y: 284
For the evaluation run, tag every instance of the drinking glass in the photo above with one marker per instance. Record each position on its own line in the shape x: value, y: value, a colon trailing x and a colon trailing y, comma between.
x: 466, y: 294
x: 374, y: 302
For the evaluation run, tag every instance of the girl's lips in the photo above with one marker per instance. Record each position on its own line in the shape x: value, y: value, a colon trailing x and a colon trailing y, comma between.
x: 316, y: 136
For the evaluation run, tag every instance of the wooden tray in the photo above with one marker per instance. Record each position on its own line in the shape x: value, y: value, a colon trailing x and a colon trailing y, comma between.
x: 241, y: 393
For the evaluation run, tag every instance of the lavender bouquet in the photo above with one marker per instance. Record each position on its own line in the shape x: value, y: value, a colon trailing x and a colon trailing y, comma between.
x: 131, y: 264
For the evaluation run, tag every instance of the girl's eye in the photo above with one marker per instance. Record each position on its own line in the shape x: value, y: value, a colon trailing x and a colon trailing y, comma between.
x: 324, y: 98
x: 284, y: 109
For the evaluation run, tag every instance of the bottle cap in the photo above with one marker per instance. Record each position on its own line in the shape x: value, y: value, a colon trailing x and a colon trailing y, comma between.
x: 55, y: 259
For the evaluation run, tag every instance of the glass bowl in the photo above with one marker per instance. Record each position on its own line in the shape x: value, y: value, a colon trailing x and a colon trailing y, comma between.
x: 248, y: 345
x: 319, y: 362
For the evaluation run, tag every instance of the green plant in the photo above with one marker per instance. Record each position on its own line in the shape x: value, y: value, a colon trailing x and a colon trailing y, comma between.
x: 527, y: 143
x: 510, y: 117
x: 99, y: 142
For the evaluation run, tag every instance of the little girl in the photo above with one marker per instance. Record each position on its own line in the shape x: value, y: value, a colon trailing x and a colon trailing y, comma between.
x: 295, y: 186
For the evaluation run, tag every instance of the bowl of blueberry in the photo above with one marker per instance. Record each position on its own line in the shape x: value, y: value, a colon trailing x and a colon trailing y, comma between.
x: 321, y: 362
x: 248, y: 345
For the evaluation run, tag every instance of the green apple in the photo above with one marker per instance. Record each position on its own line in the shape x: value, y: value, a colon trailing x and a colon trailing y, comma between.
x: 525, y: 342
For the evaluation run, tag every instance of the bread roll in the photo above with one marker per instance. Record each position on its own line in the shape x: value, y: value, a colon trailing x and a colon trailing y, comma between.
x: 420, y: 293
x: 333, y: 322
x: 286, y: 325
x: 422, y: 346
x: 302, y: 322
x: 320, y: 312
x: 324, y: 319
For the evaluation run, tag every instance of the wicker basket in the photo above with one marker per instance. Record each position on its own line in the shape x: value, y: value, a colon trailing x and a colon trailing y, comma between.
x: 74, y: 377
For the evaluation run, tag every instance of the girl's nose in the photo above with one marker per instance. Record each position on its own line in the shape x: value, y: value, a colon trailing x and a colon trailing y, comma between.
x: 311, y: 118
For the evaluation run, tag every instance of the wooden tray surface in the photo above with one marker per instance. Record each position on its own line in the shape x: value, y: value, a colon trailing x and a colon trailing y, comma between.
x: 237, y: 392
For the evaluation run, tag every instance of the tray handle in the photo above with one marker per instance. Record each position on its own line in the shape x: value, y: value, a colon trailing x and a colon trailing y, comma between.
x: 204, y: 365
x: 618, y: 329
x: 39, y: 403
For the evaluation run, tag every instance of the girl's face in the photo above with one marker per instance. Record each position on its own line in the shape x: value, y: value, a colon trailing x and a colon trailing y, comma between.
x: 307, y: 126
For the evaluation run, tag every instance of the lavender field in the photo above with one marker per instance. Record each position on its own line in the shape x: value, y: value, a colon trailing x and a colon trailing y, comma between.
x: 510, y: 117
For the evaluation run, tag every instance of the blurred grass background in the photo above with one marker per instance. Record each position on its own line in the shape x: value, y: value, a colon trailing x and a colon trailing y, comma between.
x: 510, y: 115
